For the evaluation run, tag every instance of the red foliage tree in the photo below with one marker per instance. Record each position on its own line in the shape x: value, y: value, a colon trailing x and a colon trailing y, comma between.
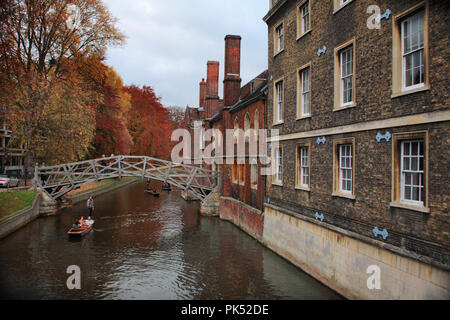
x: 148, y: 123
x: 112, y: 136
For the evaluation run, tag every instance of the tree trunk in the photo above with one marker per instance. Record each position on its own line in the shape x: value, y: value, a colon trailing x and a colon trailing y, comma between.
x: 29, y: 163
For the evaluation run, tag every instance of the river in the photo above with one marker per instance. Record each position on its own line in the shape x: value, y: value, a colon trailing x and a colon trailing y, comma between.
x: 147, y: 248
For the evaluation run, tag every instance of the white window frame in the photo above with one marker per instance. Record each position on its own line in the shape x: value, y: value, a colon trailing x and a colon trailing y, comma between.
x: 305, y: 17
x: 306, y: 92
x: 278, y: 175
x: 280, y: 37
x: 304, y: 166
x: 421, y: 48
x: 279, y: 97
x: 343, y: 78
x: 343, y: 167
x: 412, y: 171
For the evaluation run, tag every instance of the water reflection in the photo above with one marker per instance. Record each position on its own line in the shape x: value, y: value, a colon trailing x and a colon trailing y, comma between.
x: 149, y: 248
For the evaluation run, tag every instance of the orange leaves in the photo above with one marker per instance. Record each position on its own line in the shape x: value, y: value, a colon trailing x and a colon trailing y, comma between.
x: 148, y: 123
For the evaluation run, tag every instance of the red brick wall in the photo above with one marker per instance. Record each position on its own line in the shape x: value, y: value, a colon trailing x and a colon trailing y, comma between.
x: 245, y: 193
x: 249, y: 219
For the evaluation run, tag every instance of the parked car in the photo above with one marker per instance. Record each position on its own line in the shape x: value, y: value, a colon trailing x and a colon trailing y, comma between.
x: 8, y: 181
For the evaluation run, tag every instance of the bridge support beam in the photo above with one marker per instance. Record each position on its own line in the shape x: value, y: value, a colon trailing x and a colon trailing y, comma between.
x: 188, y: 196
x: 210, y: 206
x: 48, y: 206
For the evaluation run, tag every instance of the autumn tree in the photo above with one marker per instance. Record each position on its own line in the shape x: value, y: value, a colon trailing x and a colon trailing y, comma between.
x: 44, y: 45
x: 111, y: 132
x: 176, y: 116
x: 148, y: 123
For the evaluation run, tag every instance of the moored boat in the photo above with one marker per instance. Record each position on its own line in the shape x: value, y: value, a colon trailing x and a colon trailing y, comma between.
x: 152, y: 192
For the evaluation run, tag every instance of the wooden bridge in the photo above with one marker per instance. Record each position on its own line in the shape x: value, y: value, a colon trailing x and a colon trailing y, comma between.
x: 60, y: 179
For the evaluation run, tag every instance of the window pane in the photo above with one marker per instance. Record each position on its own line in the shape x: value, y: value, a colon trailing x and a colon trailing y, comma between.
x: 415, y: 194
x: 408, y: 179
x: 415, y: 164
x: 406, y: 148
x: 415, y: 148
x: 405, y: 163
x: 407, y: 193
x: 415, y: 177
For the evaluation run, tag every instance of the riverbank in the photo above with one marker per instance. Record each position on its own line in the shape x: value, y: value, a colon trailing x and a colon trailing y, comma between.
x: 96, y: 189
x: 18, y: 218
x: 18, y: 208
x: 12, y: 202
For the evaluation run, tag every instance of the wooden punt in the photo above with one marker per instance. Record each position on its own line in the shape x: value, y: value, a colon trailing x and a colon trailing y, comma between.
x: 153, y: 193
x: 80, y: 231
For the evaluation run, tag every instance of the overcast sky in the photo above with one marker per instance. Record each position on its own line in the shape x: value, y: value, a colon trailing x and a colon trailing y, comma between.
x: 170, y: 41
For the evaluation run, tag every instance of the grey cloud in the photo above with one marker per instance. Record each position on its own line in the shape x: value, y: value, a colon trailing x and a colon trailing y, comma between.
x: 169, y: 42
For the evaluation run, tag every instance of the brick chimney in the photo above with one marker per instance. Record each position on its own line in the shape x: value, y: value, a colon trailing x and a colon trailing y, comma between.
x: 232, y: 77
x: 212, y: 88
x: 202, y: 94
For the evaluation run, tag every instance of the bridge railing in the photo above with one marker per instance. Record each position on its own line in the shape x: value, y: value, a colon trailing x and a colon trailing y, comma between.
x: 58, y: 180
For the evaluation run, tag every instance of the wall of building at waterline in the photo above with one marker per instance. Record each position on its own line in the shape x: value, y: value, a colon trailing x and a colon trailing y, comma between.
x: 341, y: 262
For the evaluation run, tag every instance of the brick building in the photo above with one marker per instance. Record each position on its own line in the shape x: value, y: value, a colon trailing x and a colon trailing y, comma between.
x: 241, y: 184
x: 361, y: 171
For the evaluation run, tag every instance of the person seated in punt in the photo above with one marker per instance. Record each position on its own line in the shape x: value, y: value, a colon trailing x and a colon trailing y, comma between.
x: 89, y: 221
x: 76, y: 225
x: 83, y: 224
x: 166, y: 186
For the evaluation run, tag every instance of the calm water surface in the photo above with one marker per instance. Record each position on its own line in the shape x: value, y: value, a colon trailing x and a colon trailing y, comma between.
x: 150, y: 248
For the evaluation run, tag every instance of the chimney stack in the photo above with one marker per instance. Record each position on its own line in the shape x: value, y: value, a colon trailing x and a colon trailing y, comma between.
x: 212, y: 88
x: 232, y: 81
x: 202, y: 94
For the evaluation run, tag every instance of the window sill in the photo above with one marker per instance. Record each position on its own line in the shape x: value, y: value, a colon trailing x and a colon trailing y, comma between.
x: 344, y: 107
x: 276, y: 183
x: 341, y: 7
x: 406, y: 92
x: 344, y: 195
x: 279, y: 52
x: 277, y: 123
x: 300, y: 188
x: 304, y: 34
x: 409, y: 207
x: 303, y: 117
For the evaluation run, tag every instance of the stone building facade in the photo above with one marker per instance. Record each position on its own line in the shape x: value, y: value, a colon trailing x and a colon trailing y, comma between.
x: 361, y: 172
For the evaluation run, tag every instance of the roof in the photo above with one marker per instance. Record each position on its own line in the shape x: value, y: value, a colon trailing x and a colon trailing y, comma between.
x: 248, y: 96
